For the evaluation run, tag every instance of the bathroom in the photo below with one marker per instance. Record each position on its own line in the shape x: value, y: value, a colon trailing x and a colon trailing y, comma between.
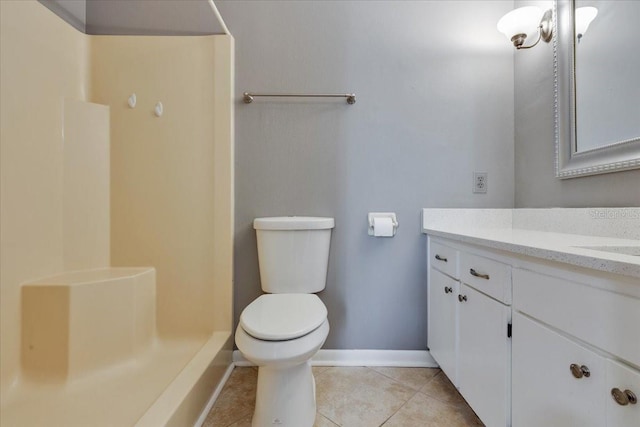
x: 441, y: 94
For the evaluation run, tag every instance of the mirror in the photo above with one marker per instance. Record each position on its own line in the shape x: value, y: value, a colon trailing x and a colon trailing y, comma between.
x: 597, y: 93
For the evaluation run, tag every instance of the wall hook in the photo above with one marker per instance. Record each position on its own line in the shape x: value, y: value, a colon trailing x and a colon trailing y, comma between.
x: 159, y: 110
x: 132, y: 101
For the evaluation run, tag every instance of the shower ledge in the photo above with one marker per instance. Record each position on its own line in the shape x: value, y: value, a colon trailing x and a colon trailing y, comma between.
x: 77, y: 323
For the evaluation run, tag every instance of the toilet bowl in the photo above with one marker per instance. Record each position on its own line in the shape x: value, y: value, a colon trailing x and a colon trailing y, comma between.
x: 286, y: 392
x: 281, y: 331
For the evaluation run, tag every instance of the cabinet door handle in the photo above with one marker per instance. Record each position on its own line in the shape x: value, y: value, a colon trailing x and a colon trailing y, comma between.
x: 448, y: 289
x: 476, y: 274
x: 579, y: 371
x: 462, y: 298
x: 623, y: 398
x: 439, y: 258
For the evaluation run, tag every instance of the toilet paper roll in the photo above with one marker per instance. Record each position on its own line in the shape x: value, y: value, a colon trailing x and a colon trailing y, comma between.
x: 382, y: 227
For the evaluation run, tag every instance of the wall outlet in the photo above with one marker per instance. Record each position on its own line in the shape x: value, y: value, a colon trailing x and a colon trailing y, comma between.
x: 480, y: 182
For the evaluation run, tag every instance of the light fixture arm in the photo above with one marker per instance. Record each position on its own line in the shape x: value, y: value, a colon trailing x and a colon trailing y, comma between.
x: 518, y: 39
x: 545, y: 32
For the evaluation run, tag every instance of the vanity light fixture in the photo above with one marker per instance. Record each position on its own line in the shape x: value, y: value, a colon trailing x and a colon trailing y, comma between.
x: 584, y: 16
x: 518, y: 24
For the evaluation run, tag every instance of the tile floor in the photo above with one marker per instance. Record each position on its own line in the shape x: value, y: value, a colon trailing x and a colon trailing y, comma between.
x: 358, y: 397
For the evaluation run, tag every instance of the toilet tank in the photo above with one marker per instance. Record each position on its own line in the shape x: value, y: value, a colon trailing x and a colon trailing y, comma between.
x: 293, y: 253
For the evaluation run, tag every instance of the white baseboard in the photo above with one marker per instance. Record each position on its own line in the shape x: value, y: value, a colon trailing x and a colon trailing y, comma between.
x: 214, y: 396
x: 397, y: 358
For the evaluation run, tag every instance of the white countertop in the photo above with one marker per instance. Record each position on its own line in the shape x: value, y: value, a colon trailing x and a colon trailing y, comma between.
x: 508, y: 230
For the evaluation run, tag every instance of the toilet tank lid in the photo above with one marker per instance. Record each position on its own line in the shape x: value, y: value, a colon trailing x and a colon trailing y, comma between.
x: 293, y: 223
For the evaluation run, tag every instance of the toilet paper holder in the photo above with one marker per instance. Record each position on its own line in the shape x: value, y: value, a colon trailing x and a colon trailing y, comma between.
x: 391, y: 215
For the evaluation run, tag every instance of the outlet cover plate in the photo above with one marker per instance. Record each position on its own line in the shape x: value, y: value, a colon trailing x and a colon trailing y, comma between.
x: 480, y: 182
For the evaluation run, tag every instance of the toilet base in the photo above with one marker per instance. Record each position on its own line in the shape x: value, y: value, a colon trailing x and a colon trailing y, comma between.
x: 285, y: 397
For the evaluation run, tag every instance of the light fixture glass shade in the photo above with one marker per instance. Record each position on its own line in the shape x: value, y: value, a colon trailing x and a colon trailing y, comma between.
x: 524, y: 20
x: 584, y: 16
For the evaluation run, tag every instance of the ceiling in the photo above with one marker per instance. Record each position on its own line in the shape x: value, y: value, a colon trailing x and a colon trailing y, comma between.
x: 138, y: 17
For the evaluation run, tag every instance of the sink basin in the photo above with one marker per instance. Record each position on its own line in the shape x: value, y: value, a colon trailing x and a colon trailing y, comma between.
x: 625, y: 250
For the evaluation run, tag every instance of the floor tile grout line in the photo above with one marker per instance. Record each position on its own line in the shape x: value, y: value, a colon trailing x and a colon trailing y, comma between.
x: 433, y: 377
x: 401, y: 382
x: 400, y: 408
x: 318, y: 410
x: 235, y: 421
x: 385, y: 375
x: 327, y: 417
x: 429, y: 382
x: 444, y: 401
x: 453, y: 404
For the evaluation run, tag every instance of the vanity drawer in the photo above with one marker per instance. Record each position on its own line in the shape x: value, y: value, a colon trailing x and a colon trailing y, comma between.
x: 486, y: 275
x: 444, y: 258
x: 604, y: 319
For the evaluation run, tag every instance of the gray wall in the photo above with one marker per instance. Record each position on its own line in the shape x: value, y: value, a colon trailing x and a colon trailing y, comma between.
x: 536, y: 184
x: 434, y: 83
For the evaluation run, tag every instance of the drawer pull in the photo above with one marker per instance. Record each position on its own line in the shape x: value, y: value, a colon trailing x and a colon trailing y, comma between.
x: 476, y: 274
x: 448, y: 289
x: 462, y: 298
x: 623, y: 398
x: 439, y: 258
x: 580, y: 371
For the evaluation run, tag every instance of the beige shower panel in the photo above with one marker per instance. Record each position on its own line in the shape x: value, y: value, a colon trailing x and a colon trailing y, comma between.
x: 117, y: 224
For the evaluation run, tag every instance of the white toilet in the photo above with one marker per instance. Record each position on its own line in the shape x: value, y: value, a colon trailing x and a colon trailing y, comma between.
x: 281, y: 330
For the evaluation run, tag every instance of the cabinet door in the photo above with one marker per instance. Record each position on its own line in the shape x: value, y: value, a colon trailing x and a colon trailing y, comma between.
x: 545, y: 392
x: 442, y: 337
x: 624, y: 379
x: 484, y: 358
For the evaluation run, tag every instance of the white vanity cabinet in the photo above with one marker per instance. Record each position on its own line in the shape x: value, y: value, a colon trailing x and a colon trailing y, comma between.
x: 468, y: 326
x: 575, y: 342
x: 573, y: 300
x: 444, y: 289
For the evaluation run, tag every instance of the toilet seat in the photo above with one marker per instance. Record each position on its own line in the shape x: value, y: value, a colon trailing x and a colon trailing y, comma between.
x: 282, y: 317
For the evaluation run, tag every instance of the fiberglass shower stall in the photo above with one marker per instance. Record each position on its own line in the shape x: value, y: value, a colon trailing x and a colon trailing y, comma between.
x: 116, y: 223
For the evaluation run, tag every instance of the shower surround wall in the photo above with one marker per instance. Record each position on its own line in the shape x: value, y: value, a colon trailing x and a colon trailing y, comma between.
x: 164, y: 212
x: 44, y: 62
x: 159, y: 194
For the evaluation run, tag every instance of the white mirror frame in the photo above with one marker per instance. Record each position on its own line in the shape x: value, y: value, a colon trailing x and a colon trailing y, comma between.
x: 618, y: 156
